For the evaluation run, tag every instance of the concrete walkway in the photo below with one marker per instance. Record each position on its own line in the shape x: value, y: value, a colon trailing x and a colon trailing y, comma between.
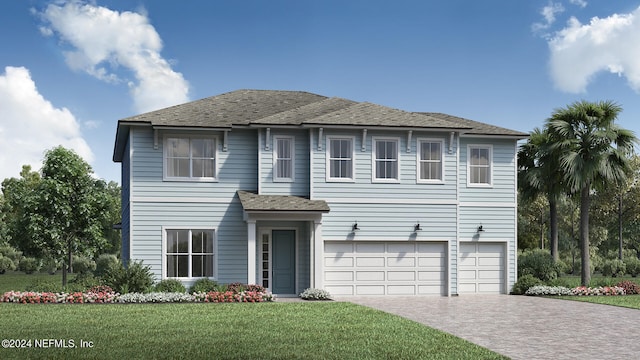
x: 524, y: 327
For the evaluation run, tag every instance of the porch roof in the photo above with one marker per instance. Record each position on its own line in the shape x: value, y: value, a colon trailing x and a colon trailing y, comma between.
x: 255, y: 202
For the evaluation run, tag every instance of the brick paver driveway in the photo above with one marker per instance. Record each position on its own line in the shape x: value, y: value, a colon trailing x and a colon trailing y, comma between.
x: 524, y: 327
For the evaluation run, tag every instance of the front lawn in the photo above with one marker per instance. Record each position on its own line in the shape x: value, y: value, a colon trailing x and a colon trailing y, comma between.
x: 320, y: 330
x: 18, y: 281
x: 630, y: 301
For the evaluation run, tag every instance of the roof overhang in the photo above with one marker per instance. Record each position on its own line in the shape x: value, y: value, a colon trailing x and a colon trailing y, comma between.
x: 257, y: 206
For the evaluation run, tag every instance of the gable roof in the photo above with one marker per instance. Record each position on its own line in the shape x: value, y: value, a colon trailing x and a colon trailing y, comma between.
x: 255, y: 202
x: 262, y: 108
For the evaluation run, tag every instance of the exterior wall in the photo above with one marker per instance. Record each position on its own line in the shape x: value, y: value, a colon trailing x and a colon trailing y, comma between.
x: 125, y: 195
x: 300, y: 185
x: 158, y: 204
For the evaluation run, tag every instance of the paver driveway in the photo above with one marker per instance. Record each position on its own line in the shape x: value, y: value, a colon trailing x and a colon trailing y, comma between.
x: 524, y: 327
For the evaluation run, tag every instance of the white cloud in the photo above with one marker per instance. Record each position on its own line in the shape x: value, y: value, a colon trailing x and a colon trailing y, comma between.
x: 104, y: 40
x: 30, y: 125
x: 581, y: 3
x: 549, y: 13
x: 580, y: 51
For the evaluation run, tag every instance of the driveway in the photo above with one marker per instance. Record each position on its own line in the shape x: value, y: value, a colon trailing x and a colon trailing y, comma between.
x: 524, y: 327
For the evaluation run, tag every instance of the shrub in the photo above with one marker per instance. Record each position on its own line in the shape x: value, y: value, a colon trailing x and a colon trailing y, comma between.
x: 29, y: 265
x: 235, y: 287
x: 83, y: 265
x: 315, y: 294
x: 524, y: 283
x: 170, y: 286
x: 51, y: 265
x: 633, y: 266
x: 630, y: 288
x: 538, y: 263
x: 203, y: 286
x: 44, y: 286
x: 615, y: 268
x: 103, y: 262
x: 83, y: 282
x: 134, y: 278
x: 6, y: 264
x: 12, y: 253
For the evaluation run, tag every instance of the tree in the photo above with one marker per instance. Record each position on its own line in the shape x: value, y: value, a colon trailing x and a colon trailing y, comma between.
x: 15, y: 192
x: 538, y: 175
x: 593, y: 151
x: 66, y: 212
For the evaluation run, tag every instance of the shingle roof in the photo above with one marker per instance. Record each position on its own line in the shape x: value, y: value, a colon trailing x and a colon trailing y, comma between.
x: 476, y: 127
x: 255, y: 202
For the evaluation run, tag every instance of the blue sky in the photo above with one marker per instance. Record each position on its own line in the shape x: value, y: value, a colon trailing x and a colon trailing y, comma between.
x: 70, y: 69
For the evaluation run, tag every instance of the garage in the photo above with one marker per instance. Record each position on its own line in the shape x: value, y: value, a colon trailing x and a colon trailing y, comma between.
x: 385, y: 268
x: 481, y: 268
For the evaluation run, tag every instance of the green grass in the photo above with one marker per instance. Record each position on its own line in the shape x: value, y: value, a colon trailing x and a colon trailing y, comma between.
x: 15, y: 280
x: 305, y: 330
x: 629, y: 301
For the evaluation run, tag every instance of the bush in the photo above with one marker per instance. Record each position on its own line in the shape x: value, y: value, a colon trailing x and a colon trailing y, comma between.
x: 83, y: 282
x: 538, y: 263
x: 103, y: 262
x: 203, y: 286
x: 524, y: 283
x: 633, y: 266
x: 170, y: 286
x: 615, y: 268
x: 44, y: 286
x: 543, y: 290
x: 29, y: 265
x: 50, y: 265
x: 83, y: 265
x: 315, y: 294
x: 12, y: 253
x: 6, y: 264
x: 630, y: 288
x: 134, y: 278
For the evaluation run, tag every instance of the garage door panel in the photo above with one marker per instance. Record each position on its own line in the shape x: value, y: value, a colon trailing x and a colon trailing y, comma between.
x: 495, y: 249
x: 468, y: 261
x: 391, y: 268
x: 490, y: 274
x: 490, y: 261
x: 467, y: 248
x: 467, y: 274
x: 370, y: 261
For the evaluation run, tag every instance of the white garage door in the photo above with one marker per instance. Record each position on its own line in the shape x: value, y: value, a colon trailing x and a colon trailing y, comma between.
x: 481, y: 268
x: 385, y: 268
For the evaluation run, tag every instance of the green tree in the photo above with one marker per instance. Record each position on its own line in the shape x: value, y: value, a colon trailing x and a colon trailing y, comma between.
x: 66, y: 213
x: 15, y: 191
x: 538, y: 175
x: 593, y: 151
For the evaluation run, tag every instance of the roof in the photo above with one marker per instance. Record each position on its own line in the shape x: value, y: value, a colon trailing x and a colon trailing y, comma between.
x: 255, y: 202
x: 262, y: 108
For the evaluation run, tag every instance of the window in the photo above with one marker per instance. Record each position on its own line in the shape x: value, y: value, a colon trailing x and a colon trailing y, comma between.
x: 283, y: 159
x: 190, y: 158
x: 430, y: 161
x: 189, y: 253
x: 386, y: 160
x: 480, y: 165
x: 340, y: 159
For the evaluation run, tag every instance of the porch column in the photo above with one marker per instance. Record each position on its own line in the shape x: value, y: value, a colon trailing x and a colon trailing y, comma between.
x: 318, y: 255
x: 251, y: 252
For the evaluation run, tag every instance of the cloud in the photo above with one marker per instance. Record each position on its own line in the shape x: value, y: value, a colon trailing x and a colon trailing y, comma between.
x: 581, y: 3
x: 103, y: 41
x: 549, y: 13
x: 30, y: 125
x: 580, y: 51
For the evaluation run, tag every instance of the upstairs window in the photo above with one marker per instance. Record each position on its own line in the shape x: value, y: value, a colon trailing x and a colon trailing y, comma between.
x: 283, y: 159
x: 189, y: 253
x: 340, y: 159
x: 190, y: 158
x: 479, y: 165
x: 430, y: 161
x: 385, y: 160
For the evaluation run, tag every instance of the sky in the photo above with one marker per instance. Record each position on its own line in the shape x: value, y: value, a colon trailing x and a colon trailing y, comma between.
x: 69, y: 70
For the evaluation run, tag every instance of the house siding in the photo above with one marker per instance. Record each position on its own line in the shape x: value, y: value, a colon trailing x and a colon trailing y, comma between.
x: 125, y: 201
x: 300, y: 185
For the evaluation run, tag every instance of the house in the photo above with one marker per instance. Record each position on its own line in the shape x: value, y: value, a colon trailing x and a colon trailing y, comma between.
x: 293, y: 190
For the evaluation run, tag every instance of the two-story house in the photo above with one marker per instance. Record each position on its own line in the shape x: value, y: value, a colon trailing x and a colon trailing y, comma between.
x: 292, y: 190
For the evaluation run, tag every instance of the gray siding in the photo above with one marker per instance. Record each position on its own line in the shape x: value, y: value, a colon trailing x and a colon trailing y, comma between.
x: 125, y: 194
x: 300, y: 185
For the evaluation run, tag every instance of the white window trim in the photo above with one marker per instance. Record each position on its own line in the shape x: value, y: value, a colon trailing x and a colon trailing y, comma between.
x: 374, y: 179
x: 274, y: 152
x: 190, y: 228
x: 165, y: 177
x: 328, y: 160
x: 491, y: 165
x: 419, y: 141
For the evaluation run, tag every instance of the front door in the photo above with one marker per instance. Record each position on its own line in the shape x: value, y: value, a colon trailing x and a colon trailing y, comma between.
x: 284, y: 261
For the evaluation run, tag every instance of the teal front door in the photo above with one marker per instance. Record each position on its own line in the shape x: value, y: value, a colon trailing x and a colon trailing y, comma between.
x: 284, y: 261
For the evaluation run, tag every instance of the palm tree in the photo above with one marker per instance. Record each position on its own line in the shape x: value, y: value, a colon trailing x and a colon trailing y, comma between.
x: 538, y: 175
x: 593, y: 151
